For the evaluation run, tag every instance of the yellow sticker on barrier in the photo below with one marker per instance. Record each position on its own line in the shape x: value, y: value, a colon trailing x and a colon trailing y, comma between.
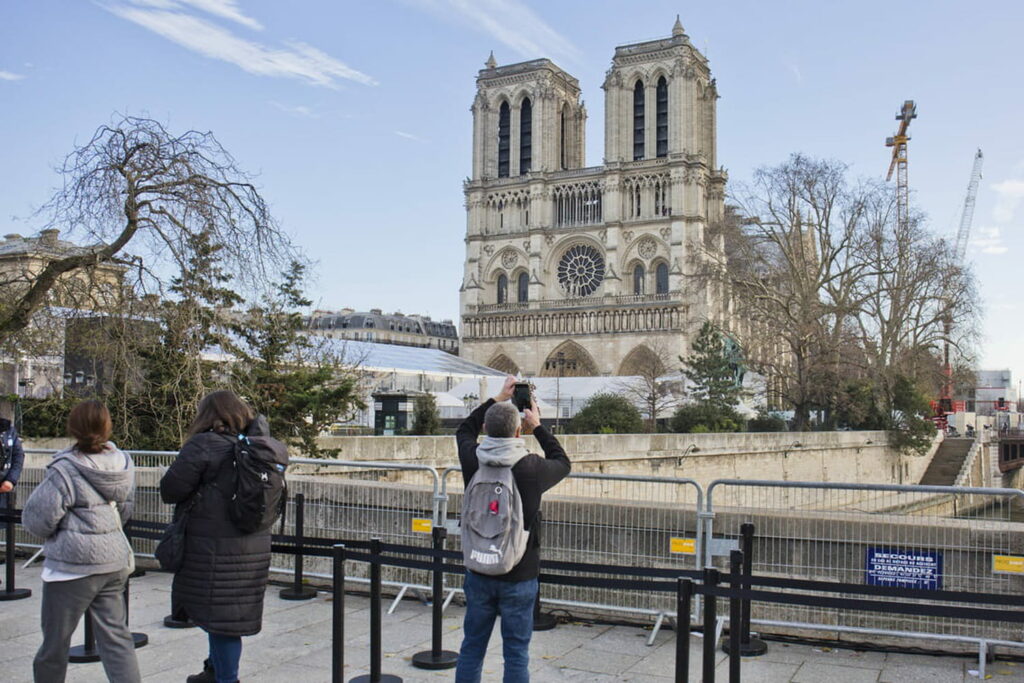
x: 1007, y: 564
x: 422, y: 526
x: 682, y: 546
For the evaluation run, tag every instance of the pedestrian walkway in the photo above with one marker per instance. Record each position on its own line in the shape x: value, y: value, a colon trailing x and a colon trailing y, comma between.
x: 295, y: 646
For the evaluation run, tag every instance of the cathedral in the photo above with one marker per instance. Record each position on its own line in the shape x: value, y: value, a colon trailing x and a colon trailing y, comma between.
x: 576, y: 270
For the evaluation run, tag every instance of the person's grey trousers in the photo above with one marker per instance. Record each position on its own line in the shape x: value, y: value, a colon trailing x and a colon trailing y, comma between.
x: 64, y: 603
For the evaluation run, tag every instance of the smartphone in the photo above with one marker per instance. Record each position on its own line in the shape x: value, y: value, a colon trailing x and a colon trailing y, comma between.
x: 521, y: 396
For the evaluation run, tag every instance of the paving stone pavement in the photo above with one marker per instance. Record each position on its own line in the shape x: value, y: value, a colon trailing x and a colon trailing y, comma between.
x: 295, y: 646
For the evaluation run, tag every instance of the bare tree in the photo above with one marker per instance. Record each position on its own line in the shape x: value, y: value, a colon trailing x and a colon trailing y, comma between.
x: 654, y: 382
x: 134, y: 197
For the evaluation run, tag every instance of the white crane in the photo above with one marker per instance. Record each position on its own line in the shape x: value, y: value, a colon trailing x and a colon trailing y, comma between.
x: 964, y: 233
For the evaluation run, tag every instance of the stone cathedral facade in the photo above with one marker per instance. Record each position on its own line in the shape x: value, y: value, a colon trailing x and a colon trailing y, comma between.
x: 581, y: 271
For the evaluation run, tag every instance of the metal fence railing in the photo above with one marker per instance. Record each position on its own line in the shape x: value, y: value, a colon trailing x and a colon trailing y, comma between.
x: 613, y: 520
x: 927, y: 537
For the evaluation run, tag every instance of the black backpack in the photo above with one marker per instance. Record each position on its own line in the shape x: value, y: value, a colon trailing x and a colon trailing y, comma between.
x: 260, y: 491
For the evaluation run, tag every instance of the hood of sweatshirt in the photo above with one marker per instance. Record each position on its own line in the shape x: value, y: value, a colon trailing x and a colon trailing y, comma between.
x: 110, y: 471
x: 500, y: 451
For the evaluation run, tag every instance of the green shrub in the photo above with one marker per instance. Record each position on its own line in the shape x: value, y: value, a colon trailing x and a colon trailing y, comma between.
x: 607, y: 414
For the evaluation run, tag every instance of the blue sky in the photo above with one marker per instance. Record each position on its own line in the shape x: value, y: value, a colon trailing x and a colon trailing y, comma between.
x: 356, y: 115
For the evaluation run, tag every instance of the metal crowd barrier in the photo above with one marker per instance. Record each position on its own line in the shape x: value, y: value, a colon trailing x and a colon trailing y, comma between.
x: 925, y: 537
x: 609, y: 519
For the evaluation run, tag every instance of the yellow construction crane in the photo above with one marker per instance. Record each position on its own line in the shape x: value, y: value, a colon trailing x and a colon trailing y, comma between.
x: 898, y: 143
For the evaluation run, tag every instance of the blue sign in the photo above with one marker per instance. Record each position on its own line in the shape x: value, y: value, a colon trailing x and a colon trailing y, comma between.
x: 904, y: 568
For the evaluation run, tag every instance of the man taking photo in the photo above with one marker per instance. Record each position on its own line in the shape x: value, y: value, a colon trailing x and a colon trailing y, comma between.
x: 510, y: 594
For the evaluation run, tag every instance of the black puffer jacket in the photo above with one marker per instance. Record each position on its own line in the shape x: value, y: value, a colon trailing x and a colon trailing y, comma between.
x: 221, y: 584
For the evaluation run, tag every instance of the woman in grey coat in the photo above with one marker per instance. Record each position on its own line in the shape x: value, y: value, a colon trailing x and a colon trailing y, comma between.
x: 80, y: 508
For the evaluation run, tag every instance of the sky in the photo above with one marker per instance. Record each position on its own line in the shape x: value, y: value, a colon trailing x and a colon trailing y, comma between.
x: 355, y: 115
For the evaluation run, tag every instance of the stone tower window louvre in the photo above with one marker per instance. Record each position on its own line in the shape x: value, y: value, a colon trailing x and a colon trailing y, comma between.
x: 580, y: 270
x: 562, y: 131
x: 638, y: 121
x: 661, y: 118
x: 523, y: 287
x: 504, y: 140
x: 577, y: 204
x: 525, y: 136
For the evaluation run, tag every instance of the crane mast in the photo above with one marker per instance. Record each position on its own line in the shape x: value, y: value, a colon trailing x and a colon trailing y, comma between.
x: 898, y: 142
x: 964, y: 233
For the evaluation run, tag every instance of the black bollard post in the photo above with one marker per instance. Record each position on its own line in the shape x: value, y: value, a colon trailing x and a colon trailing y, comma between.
x: 10, y: 592
x: 749, y: 647
x: 140, y: 639
x: 735, y: 615
x: 542, y: 621
x: 297, y: 591
x: 86, y: 652
x: 435, y: 657
x: 710, y: 625
x: 684, y: 600
x: 338, y: 615
x: 375, y: 676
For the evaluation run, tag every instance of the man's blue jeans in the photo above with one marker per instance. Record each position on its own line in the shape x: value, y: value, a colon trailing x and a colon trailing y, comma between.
x: 486, y: 598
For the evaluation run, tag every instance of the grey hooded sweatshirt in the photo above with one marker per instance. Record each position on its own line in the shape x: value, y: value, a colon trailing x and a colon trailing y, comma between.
x: 71, y: 510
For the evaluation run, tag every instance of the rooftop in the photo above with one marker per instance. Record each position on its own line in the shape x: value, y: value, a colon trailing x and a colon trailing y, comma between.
x: 373, y: 356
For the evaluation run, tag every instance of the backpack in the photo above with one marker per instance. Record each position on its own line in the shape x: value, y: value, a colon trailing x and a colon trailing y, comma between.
x: 260, y: 491
x: 494, y: 535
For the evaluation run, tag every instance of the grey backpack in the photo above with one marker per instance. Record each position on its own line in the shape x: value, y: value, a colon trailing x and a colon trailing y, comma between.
x: 494, y: 535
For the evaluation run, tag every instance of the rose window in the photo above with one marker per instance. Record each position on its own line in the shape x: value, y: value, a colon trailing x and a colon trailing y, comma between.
x: 581, y: 270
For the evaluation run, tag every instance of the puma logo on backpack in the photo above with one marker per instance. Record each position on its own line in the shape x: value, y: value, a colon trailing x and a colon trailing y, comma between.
x: 493, y: 531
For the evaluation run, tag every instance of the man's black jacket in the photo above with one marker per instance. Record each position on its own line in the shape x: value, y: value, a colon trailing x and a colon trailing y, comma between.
x: 12, y: 455
x: 533, y: 474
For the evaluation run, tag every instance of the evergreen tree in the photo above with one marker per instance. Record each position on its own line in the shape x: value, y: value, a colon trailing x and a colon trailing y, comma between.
x: 426, y: 420
x: 297, y: 382
x: 711, y: 371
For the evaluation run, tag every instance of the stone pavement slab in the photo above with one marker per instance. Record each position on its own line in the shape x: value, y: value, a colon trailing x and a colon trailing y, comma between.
x: 295, y: 647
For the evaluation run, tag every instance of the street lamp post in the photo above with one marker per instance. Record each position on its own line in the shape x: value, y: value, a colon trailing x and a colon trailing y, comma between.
x: 560, y: 366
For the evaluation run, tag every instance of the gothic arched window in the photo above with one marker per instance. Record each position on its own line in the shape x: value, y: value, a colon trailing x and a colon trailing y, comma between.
x: 525, y: 136
x: 523, y: 285
x: 563, y: 159
x: 504, y: 123
x: 638, y: 121
x: 661, y: 118
x: 502, y: 289
x: 661, y: 279
x: 638, y: 280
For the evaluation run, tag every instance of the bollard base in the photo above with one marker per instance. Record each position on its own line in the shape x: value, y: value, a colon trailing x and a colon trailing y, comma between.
x: 171, y: 622
x: 297, y: 593
x: 755, y: 648
x: 80, y: 654
x: 544, y: 622
x: 384, y: 678
x: 15, y: 594
x: 445, y: 659
x: 140, y: 639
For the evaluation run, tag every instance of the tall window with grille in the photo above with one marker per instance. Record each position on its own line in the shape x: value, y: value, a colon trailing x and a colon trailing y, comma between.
x: 661, y: 279
x: 523, y: 285
x: 525, y: 136
x: 661, y: 117
x: 638, y: 121
x: 562, y: 132
x: 504, y: 124
x: 502, y: 289
x: 638, y: 279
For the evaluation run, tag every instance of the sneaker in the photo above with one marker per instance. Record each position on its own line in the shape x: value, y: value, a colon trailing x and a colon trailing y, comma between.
x: 204, y: 676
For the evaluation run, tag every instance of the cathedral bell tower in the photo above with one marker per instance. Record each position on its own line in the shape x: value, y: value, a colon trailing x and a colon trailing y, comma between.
x: 576, y: 270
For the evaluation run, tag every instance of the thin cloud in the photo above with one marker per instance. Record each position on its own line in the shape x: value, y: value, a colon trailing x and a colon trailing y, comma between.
x: 409, y: 136
x: 226, y: 9
x: 8, y: 76
x: 296, y: 110
x: 510, y: 22
x: 1011, y: 194
x: 797, y: 74
x: 298, y: 61
x: 989, y: 241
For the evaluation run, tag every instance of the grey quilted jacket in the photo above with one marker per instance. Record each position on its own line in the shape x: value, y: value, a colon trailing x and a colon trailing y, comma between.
x: 71, y: 510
